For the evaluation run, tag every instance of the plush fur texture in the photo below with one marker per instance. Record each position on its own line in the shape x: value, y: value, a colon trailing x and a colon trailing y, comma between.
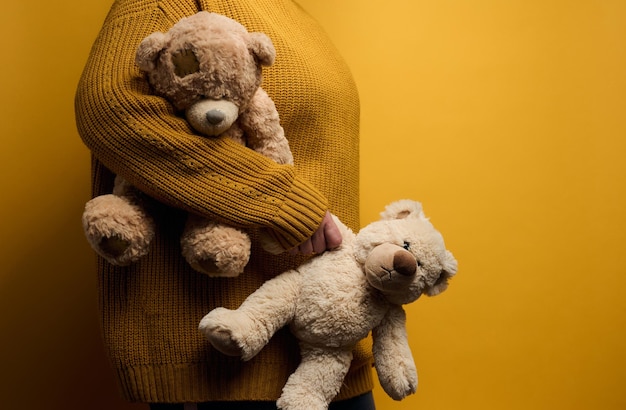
x: 335, y: 299
x: 209, y: 67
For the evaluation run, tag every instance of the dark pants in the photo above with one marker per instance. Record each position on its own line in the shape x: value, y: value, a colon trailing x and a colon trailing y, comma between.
x: 364, y: 402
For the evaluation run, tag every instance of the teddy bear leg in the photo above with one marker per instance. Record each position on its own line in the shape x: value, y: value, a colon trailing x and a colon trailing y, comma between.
x: 317, y: 379
x: 215, y: 249
x: 246, y: 330
x: 234, y: 333
x: 393, y: 360
x: 117, y: 229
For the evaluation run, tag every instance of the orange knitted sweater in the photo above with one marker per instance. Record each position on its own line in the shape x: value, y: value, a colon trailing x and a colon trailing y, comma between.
x: 150, y: 310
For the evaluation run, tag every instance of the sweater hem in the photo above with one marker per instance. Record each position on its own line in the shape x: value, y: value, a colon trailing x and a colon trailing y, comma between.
x: 178, y: 383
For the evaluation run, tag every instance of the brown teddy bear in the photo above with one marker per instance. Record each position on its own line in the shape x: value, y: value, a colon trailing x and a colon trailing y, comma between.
x: 333, y: 300
x: 209, y: 67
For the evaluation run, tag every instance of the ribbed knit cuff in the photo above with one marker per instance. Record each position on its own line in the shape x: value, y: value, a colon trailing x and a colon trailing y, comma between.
x: 300, y: 214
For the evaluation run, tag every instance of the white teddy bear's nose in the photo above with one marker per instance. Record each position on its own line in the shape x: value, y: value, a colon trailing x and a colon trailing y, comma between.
x: 404, y: 263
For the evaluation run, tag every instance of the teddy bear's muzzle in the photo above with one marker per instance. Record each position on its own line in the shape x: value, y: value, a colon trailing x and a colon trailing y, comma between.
x: 212, y: 117
x: 389, y: 267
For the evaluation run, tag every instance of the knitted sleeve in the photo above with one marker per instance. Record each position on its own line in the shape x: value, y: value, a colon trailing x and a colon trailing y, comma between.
x: 139, y: 137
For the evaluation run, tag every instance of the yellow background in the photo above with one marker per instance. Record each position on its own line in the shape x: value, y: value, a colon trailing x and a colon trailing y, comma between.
x: 505, y: 118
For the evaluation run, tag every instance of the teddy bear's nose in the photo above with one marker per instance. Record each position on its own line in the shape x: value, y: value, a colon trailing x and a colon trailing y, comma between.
x: 215, y: 116
x: 404, y: 263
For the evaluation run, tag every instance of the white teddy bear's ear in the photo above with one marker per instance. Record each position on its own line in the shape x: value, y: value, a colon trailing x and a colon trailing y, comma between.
x: 403, y: 209
x: 149, y: 50
x: 450, y: 266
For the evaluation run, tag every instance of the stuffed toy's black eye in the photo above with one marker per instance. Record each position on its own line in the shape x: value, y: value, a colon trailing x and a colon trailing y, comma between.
x: 406, y: 245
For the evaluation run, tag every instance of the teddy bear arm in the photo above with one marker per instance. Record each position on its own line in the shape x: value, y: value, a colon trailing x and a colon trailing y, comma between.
x: 317, y: 380
x: 392, y: 355
x: 261, y: 124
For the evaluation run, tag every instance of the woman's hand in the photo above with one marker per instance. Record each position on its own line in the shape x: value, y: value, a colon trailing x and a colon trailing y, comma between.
x: 326, y: 237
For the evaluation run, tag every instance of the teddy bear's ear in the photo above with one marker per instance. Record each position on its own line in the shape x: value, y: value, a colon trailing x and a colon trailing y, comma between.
x: 261, y: 46
x: 148, y: 51
x: 403, y: 209
x: 449, y: 270
x: 450, y: 265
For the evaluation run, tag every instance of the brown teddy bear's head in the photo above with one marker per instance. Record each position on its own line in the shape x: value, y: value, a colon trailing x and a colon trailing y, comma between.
x: 403, y: 255
x: 207, y: 65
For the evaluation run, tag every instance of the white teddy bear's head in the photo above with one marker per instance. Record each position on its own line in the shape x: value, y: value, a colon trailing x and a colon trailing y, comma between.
x: 403, y: 255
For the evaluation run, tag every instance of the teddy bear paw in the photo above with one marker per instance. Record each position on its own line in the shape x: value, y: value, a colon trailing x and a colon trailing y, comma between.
x: 219, y: 327
x: 400, y: 384
x: 216, y: 250
x: 113, y: 246
x: 118, y: 230
x: 233, y: 333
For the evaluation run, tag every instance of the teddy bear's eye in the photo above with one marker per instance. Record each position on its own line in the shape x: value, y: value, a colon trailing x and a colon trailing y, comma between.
x: 185, y: 62
x: 406, y: 245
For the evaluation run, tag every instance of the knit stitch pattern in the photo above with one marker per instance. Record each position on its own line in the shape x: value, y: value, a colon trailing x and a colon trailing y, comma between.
x: 150, y: 310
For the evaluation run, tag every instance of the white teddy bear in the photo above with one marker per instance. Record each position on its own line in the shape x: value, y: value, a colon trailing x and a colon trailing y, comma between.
x: 335, y: 299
